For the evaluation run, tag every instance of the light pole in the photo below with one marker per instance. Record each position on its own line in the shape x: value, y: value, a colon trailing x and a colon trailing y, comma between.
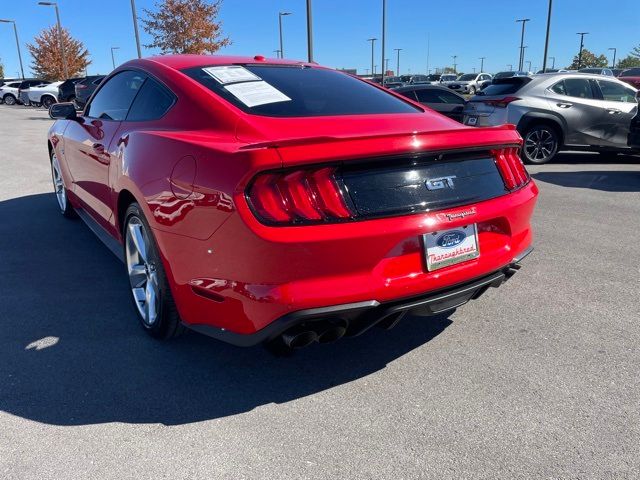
x: 455, y: 65
x: 64, y: 57
x: 373, y: 41
x: 135, y: 27
x: 398, y: 50
x: 309, y: 33
x: 277, y: 52
x: 553, y: 65
x: 510, y: 67
x: 384, y: 35
x: 15, y: 30
x: 113, y: 59
x: 482, y: 64
x: 615, y: 50
x: 582, y: 34
x: 546, y: 41
x: 386, y: 66
x: 524, y: 22
x: 529, y: 68
x: 280, y: 15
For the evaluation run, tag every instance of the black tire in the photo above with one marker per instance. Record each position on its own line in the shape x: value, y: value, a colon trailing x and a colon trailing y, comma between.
x: 47, y: 101
x: 472, y: 90
x: 59, y: 188
x: 541, y: 144
x: 167, y: 322
x: 9, y: 99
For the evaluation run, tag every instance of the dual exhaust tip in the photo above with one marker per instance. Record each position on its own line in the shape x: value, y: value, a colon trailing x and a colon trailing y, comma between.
x: 321, y: 332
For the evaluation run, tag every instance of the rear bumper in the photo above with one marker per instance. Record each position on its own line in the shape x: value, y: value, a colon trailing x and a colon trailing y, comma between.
x: 361, y: 316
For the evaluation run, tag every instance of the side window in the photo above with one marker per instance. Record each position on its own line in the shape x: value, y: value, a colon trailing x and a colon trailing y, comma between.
x: 614, y: 92
x: 578, y: 87
x: 411, y: 95
x: 447, y: 97
x: 113, y: 100
x: 427, y: 96
x: 151, y: 103
x: 559, y: 88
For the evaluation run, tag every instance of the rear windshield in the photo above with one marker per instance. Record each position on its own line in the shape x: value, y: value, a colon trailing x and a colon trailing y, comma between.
x: 505, y: 86
x: 294, y: 91
x: 632, y: 72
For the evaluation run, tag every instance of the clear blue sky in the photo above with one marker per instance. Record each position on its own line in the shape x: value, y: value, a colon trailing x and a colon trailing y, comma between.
x: 469, y: 29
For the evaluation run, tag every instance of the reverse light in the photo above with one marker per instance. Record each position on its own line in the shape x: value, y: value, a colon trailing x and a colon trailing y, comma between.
x: 511, y: 168
x: 501, y: 102
x: 298, y: 197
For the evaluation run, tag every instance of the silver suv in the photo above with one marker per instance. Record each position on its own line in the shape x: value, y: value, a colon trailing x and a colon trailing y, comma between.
x: 558, y: 111
x: 470, y: 83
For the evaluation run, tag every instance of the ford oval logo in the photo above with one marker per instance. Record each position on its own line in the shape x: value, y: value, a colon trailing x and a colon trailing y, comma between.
x: 451, y: 239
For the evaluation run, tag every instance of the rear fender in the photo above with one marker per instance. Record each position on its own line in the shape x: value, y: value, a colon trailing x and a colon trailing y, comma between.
x: 533, y: 117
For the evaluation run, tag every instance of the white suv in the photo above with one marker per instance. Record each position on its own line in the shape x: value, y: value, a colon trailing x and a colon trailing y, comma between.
x: 45, y: 95
x: 9, y: 93
x: 471, y: 83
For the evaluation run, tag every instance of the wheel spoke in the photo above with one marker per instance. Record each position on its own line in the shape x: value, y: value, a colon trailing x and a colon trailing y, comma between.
x: 137, y: 275
x: 135, y: 230
x: 151, y: 298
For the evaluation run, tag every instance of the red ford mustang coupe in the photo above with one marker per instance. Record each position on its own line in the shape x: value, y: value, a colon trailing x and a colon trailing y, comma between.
x: 258, y: 200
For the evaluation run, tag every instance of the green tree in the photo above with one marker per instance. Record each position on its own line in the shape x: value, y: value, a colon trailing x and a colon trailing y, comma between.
x: 185, y: 26
x: 635, y: 52
x: 1, y: 70
x: 628, y: 62
x: 589, y: 59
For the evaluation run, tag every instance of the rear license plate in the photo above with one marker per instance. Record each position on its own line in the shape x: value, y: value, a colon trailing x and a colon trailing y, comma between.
x: 472, y: 121
x: 449, y: 247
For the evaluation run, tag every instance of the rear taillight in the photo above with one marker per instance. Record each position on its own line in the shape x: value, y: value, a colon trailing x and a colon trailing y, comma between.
x: 511, y: 167
x: 500, y: 102
x: 298, y: 197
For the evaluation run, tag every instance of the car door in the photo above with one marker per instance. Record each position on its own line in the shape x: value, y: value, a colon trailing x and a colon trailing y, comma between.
x: 574, y: 100
x: 89, y: 146
x: 619, y: 103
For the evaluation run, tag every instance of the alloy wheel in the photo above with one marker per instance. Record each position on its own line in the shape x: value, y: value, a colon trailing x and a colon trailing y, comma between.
x: 143, y: 276
x: 58, y: 183
x: 10, y: 100
x: 540, y: 145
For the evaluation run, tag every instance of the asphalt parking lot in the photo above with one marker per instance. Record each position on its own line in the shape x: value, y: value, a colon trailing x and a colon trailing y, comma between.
x: 537, y: 379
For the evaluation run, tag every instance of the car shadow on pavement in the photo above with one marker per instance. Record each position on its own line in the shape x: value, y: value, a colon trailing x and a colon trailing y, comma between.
x: 607, y: 158
x: 72, y: 353
x: 607, y: 181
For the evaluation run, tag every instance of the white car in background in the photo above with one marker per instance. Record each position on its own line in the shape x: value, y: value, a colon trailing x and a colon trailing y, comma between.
x: 45, y: 95
x: 9, y: 92
x: 447, y: 78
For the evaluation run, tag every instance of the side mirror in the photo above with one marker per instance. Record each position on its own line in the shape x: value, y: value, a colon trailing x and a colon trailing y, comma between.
x: 63, y: 111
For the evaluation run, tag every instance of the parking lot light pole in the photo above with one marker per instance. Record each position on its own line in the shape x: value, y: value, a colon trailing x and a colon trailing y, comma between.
x: 309, y: 33
x: 529, y: 68
x: 615, y: 50
x: 510, y: 67
x: 385, y: 61
x: 521, y: 62
x: 113, y: 59
x: 482, y: 64
x: 373, y: 41
x: 280, y: 15
x: 553, y: 65
x: 15, y: 31
x: 64, y: 57
x: 135, y: 27
x: 398, y: 50
x: 455, y: 65
x: 546, y: 41
x: 582, y: 34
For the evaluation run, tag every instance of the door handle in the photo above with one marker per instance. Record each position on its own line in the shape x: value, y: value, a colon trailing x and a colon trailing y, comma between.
x: 98, y: 148
x: 564, y: 104
x: 613, y: 111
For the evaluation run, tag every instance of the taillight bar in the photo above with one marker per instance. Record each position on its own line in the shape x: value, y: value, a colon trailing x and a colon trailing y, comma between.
x: 500, y: 102
x: 297, y: 197
x: 511, y: 168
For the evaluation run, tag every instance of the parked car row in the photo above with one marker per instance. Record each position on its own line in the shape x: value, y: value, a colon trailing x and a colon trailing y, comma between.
x: 38, y: 93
